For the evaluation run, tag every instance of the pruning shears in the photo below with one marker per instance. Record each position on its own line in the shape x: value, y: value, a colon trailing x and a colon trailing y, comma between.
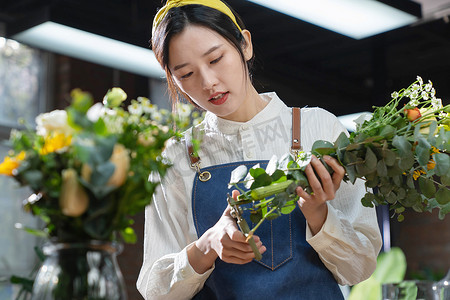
x: 236, y: 213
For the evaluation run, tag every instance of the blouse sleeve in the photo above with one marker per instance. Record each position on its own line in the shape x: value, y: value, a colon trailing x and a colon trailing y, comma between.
x: 349, y: 241
x: 166, y: 272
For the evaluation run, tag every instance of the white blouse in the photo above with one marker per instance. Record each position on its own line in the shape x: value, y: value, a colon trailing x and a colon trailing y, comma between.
x: 347, y: 244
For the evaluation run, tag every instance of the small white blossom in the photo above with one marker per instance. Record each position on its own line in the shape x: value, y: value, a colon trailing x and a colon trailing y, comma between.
x: 157, y: 116
x: 394, y: 95
x: 133, y: 119
x: 419, y: 79
x: 443, y: 114
x: 428, y: 86
x: 184, y: 110
x: 414, y: 102
x: 432, y: 92
x: 414, y: 95
x: 135, y: 108
x: 196, y: 121
x: 436, y: 102
x: 415, y: 88
x: 424, y: 95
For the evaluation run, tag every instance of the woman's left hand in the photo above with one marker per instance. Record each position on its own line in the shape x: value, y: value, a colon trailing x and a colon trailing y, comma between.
x: 314, y: 205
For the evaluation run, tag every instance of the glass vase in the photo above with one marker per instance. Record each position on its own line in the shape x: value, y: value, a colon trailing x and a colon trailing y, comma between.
x: 443, y: 287
x: 410, y: 290
x: 80, y: 271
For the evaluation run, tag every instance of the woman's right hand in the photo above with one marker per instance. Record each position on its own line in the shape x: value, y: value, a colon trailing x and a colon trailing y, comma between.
x: 223, y: 240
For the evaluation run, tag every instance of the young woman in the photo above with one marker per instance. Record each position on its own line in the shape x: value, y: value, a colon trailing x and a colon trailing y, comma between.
x: 192, y: 247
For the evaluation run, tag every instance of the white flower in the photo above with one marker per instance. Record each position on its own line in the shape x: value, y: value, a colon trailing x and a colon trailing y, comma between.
x: 197, y: 121
x: 54, y: 121
x: 147, y: 106
x: 424, y: 95
x: 436, y: 102
x: 432, y: 92
x: 428, y: 86
x: 135, y: 108
x: 184, y: 110
x: 419, y: 79
x: 415, y: 88
x: 394, y: 95
x: 414, y: 102
x: 414, y: 95
x: 157, y: 117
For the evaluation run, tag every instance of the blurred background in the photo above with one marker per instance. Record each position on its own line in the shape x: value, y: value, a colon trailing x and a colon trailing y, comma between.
x: 306, y: 64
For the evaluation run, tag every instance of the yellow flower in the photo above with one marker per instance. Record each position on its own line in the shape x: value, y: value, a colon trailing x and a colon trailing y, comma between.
x: 121, y: 161
x: 9, y: 164
x: 55, y: 142
x: 431, y: 164
x: 73, y: 199
x: 417, y: 174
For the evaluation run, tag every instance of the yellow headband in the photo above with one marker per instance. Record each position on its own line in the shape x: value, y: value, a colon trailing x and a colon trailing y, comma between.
x: 216, y: 4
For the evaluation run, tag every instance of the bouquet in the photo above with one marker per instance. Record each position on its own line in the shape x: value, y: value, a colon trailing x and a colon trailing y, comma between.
x: 401, y: 152
x: 89, y: 165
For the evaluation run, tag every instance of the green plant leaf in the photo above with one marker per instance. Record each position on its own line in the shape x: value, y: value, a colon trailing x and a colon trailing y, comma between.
x: 387, y: 131
x: 381, y: 168
x: 389, y: 157
x: 442, y: 164
x: 263, y: 179
x: 402, y: 145
x: 322, y: 148
x: 288, y: 207
x: 277, y: 175
x: 443, y: 196
x: 423, y: 152
x: 427, y: 187
x: 255, y: 172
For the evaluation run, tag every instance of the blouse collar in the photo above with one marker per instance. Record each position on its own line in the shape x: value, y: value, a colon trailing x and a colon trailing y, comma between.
x: 273, y: 108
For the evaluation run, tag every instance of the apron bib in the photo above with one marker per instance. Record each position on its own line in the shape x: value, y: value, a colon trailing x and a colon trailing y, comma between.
x: 289, y: 269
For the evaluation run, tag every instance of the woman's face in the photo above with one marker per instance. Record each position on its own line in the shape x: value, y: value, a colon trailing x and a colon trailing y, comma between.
x: 209, y: 69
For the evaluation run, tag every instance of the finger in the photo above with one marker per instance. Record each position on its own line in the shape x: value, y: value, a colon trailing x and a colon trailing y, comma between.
x: 339, y: 170
x: 235, y: 194
x: 314, y: 182
x: 328, y: 185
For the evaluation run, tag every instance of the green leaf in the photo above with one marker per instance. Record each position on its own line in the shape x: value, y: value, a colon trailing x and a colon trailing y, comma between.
x: 427, y: 187
x: 389, y: 157
x: 443, y: 196
x: 100, y: 127
x: 322, y: 148
x: 128, y: 235
x: 280, y: 199
x: 288, y: 207
x: 423, y: 152
x: 402, y: 145
x: 442, y: 164
x: 381, y: 168
x: 263, y: 179
x: 255, y: 172
x: 256, y: 216
x: 387, y: 131
x: 445, y: 180
x: 351, y: 172
x: 368, y: 199
x: 406, y: 162
x: 277, y: 175
x: 341, y: 143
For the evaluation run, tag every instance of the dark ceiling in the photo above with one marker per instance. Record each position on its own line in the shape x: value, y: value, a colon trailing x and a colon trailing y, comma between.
x: 305, y: 64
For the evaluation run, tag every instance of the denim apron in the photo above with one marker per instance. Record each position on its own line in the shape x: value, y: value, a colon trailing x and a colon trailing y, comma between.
x: 289, y: 269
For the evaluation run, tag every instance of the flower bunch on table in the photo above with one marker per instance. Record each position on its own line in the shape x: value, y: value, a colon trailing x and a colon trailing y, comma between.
x: 401, y: 151
x: 88, y: 165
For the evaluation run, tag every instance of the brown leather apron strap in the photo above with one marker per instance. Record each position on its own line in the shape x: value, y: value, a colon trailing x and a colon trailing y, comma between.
x: 194, y: 159
x: 296, y: 115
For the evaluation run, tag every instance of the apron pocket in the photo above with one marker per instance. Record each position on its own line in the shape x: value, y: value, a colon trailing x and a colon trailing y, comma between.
x: 276, y: 235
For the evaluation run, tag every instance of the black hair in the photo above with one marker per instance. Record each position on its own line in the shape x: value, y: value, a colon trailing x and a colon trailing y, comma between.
x: 178, y: 18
